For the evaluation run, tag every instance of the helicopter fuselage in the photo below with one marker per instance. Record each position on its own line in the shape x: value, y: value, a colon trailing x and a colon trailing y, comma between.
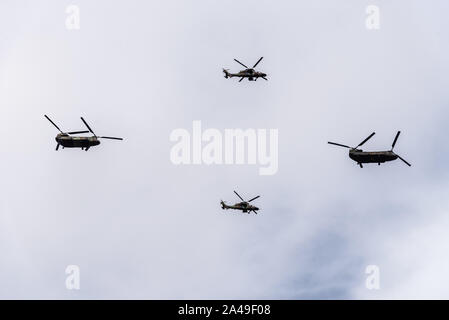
x: 379, y: 157
x: 243, y: 206
x: 360, y: 156
x: 76, y: 142
x: 251, y: 74
x: 67, y: 140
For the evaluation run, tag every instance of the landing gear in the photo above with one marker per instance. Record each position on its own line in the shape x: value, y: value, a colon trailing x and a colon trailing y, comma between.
x: 361, y: 166
x: 57, y: 147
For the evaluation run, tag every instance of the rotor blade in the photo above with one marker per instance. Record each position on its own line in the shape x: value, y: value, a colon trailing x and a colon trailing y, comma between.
x: 363, y: 142
x: 114, y: 138
x: 78, y: 132
x: 405, y: 161
x: 264, y: 78
x: 88, y: 126
x: 395, y: 139
x: 254, y: 211
x: 340, y: 145
x: 253, y: 199
x: 239, y: 196
x: 53, y: 123
x: 241, y: 78
x: 241, y: 63
x: 257, y: 62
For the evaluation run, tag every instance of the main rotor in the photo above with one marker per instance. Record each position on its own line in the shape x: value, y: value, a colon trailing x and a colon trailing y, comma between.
x: 359, y: 145
x: 250, y: 72
x: 64, y: 133
x: 91, y: 131
x: 248, y: 68
x: 246, y: 203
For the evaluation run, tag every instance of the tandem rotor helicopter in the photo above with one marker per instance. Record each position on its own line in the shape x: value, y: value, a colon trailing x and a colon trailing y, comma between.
x: 244, y: 206
x: 378, y: 157
x: 67, y: 141
x: 249, y: 73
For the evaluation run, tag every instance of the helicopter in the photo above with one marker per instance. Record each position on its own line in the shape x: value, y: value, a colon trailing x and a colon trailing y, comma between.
x: 378, y: 157
x: 244, y: 206
x: 66, y: 140
x: 249, y: 73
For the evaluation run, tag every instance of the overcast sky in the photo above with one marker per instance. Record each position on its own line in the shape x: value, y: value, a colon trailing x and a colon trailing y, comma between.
x: 140, y: 227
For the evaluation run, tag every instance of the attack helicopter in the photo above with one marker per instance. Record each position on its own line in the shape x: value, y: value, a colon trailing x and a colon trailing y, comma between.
x: 378, y: 157
x: 244, y: 206
x: 249, y: 73
x: 66, y: 140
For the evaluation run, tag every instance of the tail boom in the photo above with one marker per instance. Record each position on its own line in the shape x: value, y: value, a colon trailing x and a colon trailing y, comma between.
x: 227, y: 74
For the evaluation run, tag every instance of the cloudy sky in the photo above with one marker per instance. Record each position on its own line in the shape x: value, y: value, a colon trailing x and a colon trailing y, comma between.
x: 140, y: 227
